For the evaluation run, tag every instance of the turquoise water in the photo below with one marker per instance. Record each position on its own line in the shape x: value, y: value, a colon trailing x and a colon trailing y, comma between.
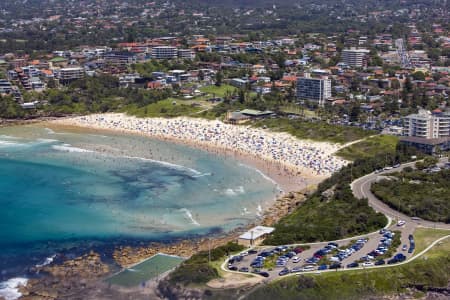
x: 62, y: 189
x: 146, y: 270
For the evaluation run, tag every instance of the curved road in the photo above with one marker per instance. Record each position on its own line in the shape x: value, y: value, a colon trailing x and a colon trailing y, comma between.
x: 361, y: 189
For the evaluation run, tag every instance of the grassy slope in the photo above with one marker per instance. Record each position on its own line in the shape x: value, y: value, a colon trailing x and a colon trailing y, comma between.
x: 319, y: 220
x: 218, y: 91
x: 434, y: 271
x: 317, y: 131
x: 369, y: 147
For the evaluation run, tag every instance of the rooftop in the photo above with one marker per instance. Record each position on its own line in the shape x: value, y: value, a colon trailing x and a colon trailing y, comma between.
x: 256, y: 232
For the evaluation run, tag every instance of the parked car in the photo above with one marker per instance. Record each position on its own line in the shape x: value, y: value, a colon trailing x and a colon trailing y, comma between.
x: 296, y: 259
x: 263, y: 274
x: 233, y: 268
x: 252, y: 251
x: 308, y: 268
x: 401, y: 223
x: 283, y: 272
x: 335, y: 259
x: 368, y: 264
x: 298, y: 250
x: 244, y: 269
x: 333, y: 244
x: 335, y: 266
x: 322, y: 267
x: 353, y: 265
x: 380, y: 262
x: 296, y: 269
x: 405, y: 247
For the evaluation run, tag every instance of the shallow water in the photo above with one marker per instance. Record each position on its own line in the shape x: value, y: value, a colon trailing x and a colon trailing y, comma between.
x: 64, y: 189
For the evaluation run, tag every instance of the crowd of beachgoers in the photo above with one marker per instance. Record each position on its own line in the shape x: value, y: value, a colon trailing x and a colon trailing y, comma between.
x: 271, y: 146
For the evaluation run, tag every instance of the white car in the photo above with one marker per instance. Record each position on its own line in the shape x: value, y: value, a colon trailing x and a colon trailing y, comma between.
x: 334, y: 259
x: 368, y: 264
x: 308, y: 268
x: 401, y: 223
x: 296, y: 259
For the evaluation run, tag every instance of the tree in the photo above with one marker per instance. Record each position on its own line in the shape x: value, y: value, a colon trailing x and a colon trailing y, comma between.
x: 355, y: 112
x: 395, y: 84
x: 419, y: 75
x: 219, y: 78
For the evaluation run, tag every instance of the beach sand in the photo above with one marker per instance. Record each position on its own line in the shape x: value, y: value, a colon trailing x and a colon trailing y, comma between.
x: 291, y: 163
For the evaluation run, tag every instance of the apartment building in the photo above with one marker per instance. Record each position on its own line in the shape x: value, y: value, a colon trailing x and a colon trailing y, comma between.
x: 164, y: 52
x: 317, y: 90
x: 66, y: 75
x: 120, y: 59
x: 355, y: 58
x: 426, y: 124
x: 5, y: 86
x: 186, y: 54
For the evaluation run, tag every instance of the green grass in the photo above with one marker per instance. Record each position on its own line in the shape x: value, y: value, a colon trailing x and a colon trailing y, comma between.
x: 369, y: 147
x: 423, y: 237
x: 164, y: 108
x: 318, y: 131
x: 297, y: 109
x: 218, y: 91
x: 431, y: 271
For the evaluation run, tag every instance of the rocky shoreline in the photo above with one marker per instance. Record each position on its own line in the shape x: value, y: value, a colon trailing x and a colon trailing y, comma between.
x: 76, y: 277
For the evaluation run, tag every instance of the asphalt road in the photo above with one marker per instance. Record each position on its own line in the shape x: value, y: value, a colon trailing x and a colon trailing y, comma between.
x: 361, y: 189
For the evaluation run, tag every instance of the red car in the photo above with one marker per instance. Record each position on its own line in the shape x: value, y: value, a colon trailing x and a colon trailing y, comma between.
x: 298, y: 250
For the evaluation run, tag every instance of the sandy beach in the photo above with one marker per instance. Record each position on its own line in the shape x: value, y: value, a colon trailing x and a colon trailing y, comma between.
x: 293, y: 164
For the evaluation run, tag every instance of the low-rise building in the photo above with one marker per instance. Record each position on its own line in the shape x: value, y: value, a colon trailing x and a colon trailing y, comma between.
x: 255, y: 236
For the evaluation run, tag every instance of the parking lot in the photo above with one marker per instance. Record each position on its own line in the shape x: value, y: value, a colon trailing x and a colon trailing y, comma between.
x: 385, y: 247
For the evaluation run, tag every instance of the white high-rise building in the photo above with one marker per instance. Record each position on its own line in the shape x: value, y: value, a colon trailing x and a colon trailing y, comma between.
x: 164, y: 52
x: 314, y: 89
x: 428, y: 125
x: 356, y: 58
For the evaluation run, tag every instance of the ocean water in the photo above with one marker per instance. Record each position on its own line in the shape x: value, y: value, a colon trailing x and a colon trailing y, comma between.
x: 62, y: 190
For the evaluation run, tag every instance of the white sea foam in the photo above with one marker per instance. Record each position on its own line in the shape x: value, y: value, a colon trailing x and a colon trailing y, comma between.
x: 202, y: 175
x: 244, y: 211
x: 167, y: 164
x: 233, y: 192
x: 47, y: 261
x: 49, y: 131
x: 132, y: 270
x: 9, y: 290
x: 259, y: 172
x: 188, y: 215
x: 8, y: 143
x: 98, y: 135
x: 46, y: 141
x: 230, y: 192
x: 9, y: 137
x: 259, y: 210
x: 70, y: 148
